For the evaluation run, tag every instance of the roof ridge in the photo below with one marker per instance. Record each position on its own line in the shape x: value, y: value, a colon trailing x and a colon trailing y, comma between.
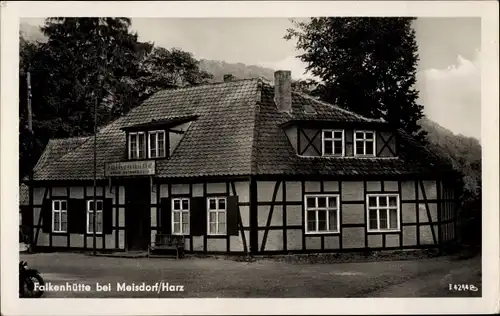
x: 338, y: 107
x: 152, y: 96
x: 204, y: 84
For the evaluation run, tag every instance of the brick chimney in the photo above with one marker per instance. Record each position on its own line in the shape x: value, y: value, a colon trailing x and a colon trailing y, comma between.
x: 283, y: 90
x: 228, y: 77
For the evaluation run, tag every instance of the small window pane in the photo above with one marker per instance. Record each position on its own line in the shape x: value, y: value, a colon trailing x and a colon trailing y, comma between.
x: 383, y: 219
x: 360, y: 150
x: 369, y: 136
x: 338, y: 148
x: 185, y: 228
x: 185, y: 217
x: 392, y: 201
x: 321, y: 215
x: 372, y: 201
x: 311, y: 202
x: 221, y: 217
x: 338, y: 135
x: 332, y: 202
x: 369, y: 148
x: 322, y: 202
x: 213, y: 228
x: 64, y: 217
x: 328, y: 147
x: 359, y: 135
x: 311, y: 225
x: 322, y: 225
x: 56, y: 205
x: 177, y: 204
x: 222, y: 204
x: 222, y: 228
x: 57, y: 220
x: 212, y: 204
x: 328, y: 134
x: 152, y: 140
x: 393, y: 216
x: 185, y: 204
x: 382, y: 201
x: 99, y: 223
x: 64, y: 226
x: 311, y: 215
x: 373, y: 219
x: 333, y: 220
x: 64, y: 206
x: 99, y: 206
x: 177, y: 217
x: 213, y: 217
x: 177, y: 228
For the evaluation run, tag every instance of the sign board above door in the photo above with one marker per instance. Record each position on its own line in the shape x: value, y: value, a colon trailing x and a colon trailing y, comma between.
x: 130, y: 168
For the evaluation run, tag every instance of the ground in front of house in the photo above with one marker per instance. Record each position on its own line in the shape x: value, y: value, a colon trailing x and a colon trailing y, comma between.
x: 212, y: 277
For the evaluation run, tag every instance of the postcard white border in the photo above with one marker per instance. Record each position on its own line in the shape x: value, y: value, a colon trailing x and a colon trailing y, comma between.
x: 12, y: 11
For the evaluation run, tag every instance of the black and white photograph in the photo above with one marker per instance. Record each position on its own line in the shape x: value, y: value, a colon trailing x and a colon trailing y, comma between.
x: 258, y: 157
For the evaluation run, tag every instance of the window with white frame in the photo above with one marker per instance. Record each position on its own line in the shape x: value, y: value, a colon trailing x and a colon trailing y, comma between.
x: 364, y: 143
x: 180, y: 216
x: 98, y: 217
x: 383, y: 212
x: 156, y: 144
x: 59, y: 216
x: 217, y: 216
x: 322, y: 214
x: 333, y: 143
x: 137, y: 145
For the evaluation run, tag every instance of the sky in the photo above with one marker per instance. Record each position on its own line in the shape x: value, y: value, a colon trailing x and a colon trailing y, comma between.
x: 448, y: 72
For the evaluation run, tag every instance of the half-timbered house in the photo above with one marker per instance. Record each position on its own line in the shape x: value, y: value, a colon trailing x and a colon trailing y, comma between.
x: 243, y: 166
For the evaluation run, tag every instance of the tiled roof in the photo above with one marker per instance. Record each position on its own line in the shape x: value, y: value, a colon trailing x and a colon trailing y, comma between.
x: 305, y: 107
x: 57, y: 148
x: 218, y: 142
x: 275, y: 154
x: 236, y: 132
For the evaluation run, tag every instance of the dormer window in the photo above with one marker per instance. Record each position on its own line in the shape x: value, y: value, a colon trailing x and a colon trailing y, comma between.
x: 333, y: 143
x: 137, y: 145
x: 156, y: 144
x: 364, y: 143
x: 157, y: 138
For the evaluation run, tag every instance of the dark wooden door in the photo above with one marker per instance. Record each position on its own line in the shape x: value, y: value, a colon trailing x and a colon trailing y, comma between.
x: 137, y: 214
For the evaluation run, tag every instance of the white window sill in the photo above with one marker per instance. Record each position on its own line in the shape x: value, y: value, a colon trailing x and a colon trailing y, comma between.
x: 384, y: 231
x: 322, y: 233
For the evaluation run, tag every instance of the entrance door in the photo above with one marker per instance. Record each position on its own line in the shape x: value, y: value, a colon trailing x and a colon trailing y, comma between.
x: 137, y: 214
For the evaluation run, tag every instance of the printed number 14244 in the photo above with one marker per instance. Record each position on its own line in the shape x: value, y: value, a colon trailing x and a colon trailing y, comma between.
x: 462, y: 287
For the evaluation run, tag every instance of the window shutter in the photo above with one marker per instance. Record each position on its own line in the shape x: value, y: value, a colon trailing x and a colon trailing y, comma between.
x: 166, y: 216
x: 47, y: 216
x: 77, y: 216
x: 198, y: 216
x: 107, y: 216
x: 232, y: 215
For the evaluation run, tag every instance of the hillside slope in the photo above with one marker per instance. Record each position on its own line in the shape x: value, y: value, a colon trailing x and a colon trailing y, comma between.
x: 463, y: 152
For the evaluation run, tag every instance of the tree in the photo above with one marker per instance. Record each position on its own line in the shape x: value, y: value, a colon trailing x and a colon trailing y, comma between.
x: 88, y: 60
x: 366, y: 65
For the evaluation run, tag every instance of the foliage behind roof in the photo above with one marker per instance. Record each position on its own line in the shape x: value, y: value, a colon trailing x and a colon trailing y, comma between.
x: 236, y: 130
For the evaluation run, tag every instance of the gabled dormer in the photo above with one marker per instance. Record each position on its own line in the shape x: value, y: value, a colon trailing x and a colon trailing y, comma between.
x: 318, y: 129
x: 156, y: 139
x: 319, y: 138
